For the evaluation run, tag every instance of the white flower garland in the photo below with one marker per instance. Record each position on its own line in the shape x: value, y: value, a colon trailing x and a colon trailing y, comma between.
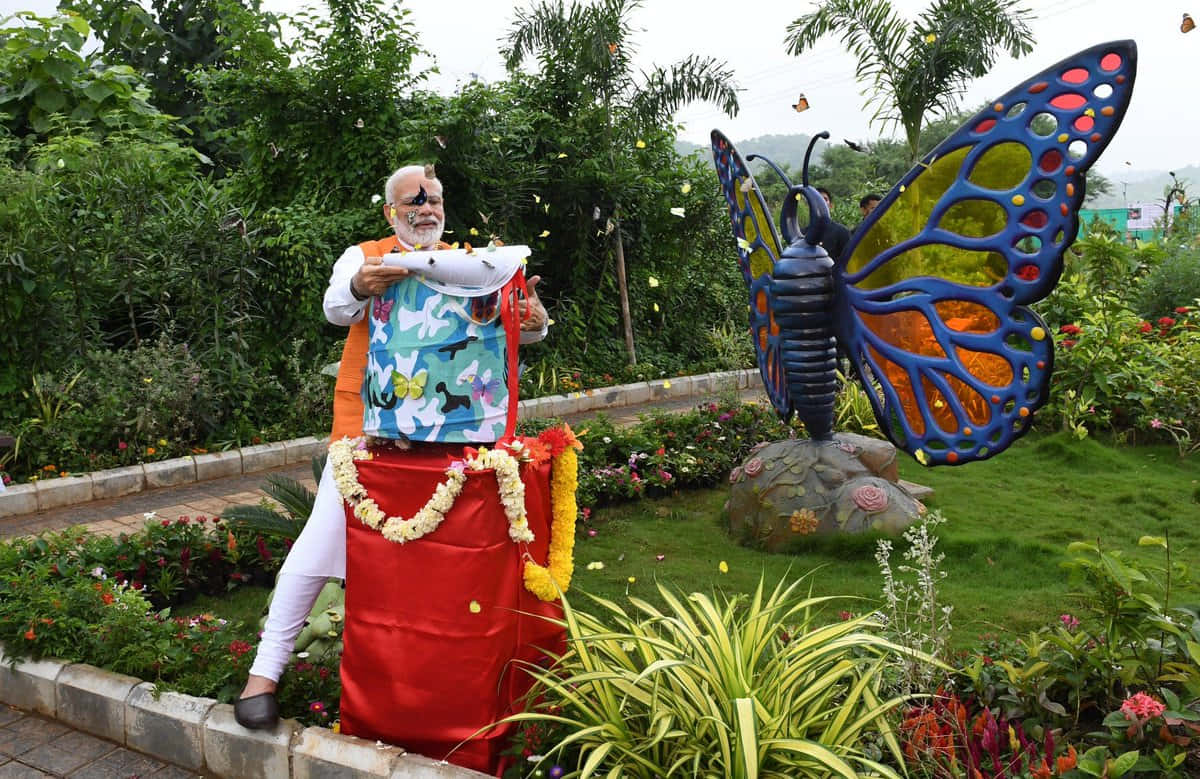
x: 344, y: 454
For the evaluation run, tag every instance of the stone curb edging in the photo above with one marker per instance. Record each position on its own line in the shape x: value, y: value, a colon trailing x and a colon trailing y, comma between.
x: 200, y: 734
x: 46, y: 494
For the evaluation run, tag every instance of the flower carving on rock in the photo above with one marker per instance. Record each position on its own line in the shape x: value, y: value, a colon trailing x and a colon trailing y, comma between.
x: 804, y: 521
x: 753, y: 467
x: 870, y: 498
x: 735, y: 475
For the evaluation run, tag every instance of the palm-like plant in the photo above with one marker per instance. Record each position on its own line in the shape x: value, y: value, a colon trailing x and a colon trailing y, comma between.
x: 585, y: 53
x: 918, y: 69
x: 295, y: 499
x: 737, y: 687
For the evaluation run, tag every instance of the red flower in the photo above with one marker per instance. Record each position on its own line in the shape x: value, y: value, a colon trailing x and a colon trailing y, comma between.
x: 660, y: 451
x: 1067, y: 344
x: 1146, y: 327
x: 1070, y: 329
x: 166, y: 523
x: 1165, y: 322
x: 1182, y: 309
x: 263, y: 552
x: 122, y: 446
x: 239, y: 648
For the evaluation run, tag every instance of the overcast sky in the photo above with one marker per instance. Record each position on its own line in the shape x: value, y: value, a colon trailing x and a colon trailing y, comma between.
x: 1161, y: 130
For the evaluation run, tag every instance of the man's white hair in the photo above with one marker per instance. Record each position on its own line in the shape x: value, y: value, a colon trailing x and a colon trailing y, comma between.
x: 393, y: 182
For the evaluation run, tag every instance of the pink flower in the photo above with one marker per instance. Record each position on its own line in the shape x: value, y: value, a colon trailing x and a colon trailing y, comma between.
x: 1156, y: 423
x: 1069, y: 622
x: 316, y: 706
x: 870, y: 498
x: 753, y: 467
x: 592, y: 533
x: 122, y: 446
x: 1141, y: 706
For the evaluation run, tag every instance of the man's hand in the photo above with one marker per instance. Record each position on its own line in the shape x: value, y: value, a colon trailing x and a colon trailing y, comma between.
x: 373, y: 278
x: 537, y: 312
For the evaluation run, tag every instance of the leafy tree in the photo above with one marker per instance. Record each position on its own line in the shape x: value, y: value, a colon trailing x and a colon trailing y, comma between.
x: 169, y: 39
x: 49, y: 83
x: 586, y: 57
x: 917, y: 69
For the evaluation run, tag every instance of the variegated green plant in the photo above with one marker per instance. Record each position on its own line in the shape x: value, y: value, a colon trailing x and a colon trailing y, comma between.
x: 738, y: 686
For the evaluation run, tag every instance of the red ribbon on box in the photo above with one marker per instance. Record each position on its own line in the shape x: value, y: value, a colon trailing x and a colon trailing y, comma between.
x: 422, y: 667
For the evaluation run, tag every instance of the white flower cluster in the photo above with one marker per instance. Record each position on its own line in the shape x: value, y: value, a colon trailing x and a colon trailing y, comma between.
x: 343, y: 455
x: 512, y: 489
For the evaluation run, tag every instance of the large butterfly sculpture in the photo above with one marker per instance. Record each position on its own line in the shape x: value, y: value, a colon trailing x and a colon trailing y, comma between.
x: 928, y: 300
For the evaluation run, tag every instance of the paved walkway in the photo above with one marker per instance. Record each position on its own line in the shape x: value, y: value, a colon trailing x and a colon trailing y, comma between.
x: 32, y: 747
x: 209, y: 498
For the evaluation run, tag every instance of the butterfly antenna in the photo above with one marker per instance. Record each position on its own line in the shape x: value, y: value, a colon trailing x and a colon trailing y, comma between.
x: 778, y: 171
x: 823, y: 135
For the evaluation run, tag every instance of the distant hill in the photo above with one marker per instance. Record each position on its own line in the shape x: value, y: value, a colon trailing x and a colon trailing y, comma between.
x: 1140, y: 186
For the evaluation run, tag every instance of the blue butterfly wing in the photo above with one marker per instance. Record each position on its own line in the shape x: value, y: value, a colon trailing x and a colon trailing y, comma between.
x: 758, y: 249
x: 934, y: 285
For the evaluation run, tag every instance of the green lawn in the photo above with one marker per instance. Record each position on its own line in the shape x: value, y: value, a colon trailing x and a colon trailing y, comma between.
x: 1009, y: 522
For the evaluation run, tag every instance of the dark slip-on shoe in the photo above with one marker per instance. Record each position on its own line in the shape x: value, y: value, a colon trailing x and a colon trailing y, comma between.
x: 258, y: 712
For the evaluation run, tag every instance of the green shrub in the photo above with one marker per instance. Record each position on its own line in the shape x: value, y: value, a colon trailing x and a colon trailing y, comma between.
x: 1173, y: 284
x: 735, y: 686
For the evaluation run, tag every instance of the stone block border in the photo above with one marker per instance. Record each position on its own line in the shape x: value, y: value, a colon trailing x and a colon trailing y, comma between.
x: 198, y: 733
x: 55, y: 493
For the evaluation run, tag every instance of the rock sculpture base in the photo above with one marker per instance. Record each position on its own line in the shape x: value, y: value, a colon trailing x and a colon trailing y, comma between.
x: 787, y: 490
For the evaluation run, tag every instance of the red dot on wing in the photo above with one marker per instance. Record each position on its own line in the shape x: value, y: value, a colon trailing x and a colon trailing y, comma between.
x: 1050, y: 161
x: 1110, y: 61
x: 1069, y: 101
x: 1038, y: 87
x: 1075, y: 76
x: 1084, y: 123
x: 1028, y: 272
x: 985, y: 125
x: 995, y: 398
x: 1095, y: 137
x: 1041, y: 364
x: 1036, y: 219
x: 951, y: 457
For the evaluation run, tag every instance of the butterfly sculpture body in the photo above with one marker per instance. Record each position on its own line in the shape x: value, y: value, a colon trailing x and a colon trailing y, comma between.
x: 929, y: 299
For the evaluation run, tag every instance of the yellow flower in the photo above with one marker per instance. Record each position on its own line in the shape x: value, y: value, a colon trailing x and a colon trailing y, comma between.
x: 640, y: 143
x: 632, y: 580
x: 723, y: 567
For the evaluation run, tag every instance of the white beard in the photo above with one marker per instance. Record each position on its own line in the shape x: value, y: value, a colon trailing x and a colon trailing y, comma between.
x: 427, y: 237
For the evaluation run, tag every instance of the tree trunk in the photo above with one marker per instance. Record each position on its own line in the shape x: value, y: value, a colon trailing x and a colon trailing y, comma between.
x: 623, y: 288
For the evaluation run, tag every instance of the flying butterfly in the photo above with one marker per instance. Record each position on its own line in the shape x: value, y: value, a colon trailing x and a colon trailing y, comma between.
x: 1187, y: 25
x: 801, y: 103
x: 929, y: 299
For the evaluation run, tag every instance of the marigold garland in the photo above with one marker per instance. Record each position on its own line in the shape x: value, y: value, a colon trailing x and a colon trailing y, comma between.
x: 547, y: 582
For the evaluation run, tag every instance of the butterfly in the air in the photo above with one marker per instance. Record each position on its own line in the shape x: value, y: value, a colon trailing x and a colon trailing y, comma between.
x: 382, y: 309
x: 929, y: 298
x: 484, y: 389
x: 412, y: 386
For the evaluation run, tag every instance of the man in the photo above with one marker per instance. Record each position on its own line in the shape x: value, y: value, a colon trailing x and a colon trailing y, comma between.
x: 836, y: 234
x: 867, y: 204
x: 413, y: 206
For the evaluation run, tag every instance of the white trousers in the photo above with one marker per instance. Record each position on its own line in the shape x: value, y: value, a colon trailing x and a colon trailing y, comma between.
x: 318, y: 554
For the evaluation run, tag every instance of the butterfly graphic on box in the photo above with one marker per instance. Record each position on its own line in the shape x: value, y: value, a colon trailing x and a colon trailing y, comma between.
x: 929, y: 301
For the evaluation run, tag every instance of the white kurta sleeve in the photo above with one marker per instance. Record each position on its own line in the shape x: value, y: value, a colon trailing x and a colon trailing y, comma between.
x: 341, y: 308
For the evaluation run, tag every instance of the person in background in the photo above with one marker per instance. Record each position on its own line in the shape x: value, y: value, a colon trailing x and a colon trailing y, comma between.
x: 836, y: 235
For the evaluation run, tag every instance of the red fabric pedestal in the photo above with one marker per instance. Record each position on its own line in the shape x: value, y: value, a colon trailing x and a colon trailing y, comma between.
x: 420, y: 668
